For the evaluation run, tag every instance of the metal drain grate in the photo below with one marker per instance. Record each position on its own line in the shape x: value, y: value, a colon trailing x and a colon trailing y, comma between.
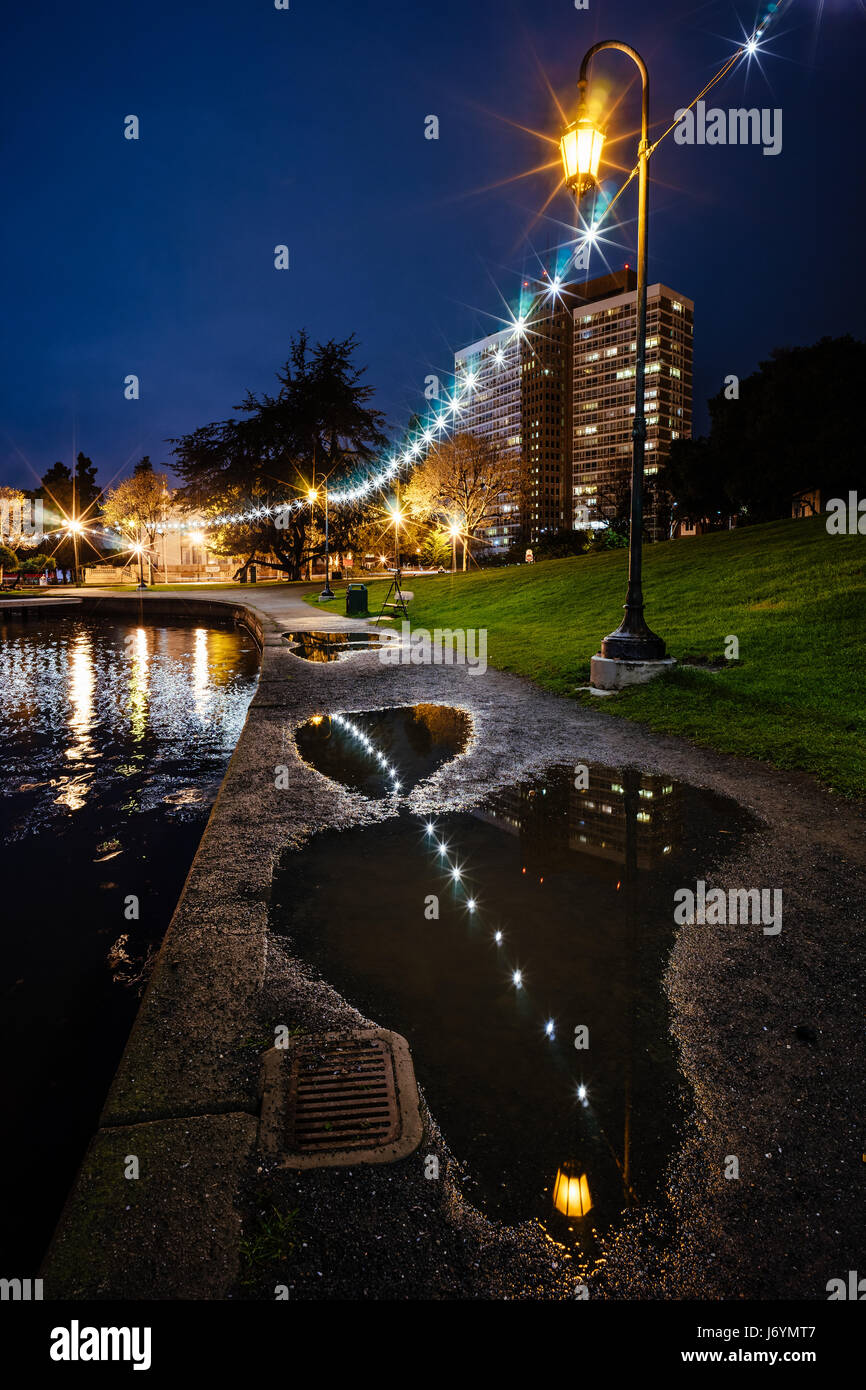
x: 342, y: 1094
x: 340, y: 1098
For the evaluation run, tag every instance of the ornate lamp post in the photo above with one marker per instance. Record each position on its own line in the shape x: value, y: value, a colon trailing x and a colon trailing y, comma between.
x: 581, y: 147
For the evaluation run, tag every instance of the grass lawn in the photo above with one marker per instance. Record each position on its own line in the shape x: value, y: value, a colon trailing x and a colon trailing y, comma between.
x: 794, y: 597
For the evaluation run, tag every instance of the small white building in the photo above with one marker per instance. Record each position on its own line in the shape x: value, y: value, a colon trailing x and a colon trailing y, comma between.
x: 179, y: 554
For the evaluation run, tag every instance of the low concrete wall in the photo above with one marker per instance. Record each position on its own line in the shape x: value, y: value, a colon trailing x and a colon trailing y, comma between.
x: 184, y: 1097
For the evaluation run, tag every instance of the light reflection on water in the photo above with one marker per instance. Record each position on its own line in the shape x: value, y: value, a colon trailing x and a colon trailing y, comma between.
x: 81, y: 703
x: 115, y: 739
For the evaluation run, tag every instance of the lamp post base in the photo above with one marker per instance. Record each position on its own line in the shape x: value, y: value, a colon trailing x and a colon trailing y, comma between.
x: 633, y: 640
x: 326, y: 594
x: 614, y: 673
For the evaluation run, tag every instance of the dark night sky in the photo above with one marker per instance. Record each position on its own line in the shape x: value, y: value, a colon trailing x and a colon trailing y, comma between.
x: 306, y: 127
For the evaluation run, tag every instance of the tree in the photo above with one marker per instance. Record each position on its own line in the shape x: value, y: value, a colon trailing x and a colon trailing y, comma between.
x: 67, y: 495
x: 319, y: 427
x: 691, y: 475
x: 36, y: 564
x: 463, y: 481
x: 793, y: 425
x: 138, y: 503
x: 436, y: 547
x: 558, y: 545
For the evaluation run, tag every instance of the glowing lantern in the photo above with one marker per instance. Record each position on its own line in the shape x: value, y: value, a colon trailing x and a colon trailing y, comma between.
x: 581, y: 147
x: 571, y: 1191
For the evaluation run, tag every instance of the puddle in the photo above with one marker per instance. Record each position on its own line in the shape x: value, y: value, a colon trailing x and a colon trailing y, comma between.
x: 555, y: 914
x: 384, y: 752
x: 331, y: 646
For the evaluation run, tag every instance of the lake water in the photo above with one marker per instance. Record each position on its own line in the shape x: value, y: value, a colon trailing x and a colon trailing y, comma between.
x: 115, y: 738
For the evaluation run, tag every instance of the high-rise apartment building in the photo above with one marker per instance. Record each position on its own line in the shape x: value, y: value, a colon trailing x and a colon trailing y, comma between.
x: 488, y: 374
x: 555, y: 393
x: 519, y: 398
x: 605, y: 343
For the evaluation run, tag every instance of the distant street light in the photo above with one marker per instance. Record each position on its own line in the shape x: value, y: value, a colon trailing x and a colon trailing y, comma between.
x: 75, y: 529
x: 398, y: 516
x: 581, y: 146
x: 139, y: 551
x: 312, y: 497
x: 455, y: 532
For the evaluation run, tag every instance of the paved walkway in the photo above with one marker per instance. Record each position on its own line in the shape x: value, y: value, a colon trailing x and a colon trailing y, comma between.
x: 283, y: 604
x: 186, y: 1097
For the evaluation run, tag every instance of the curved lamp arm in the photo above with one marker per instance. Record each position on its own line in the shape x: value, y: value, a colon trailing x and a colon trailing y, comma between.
x: 639, y: 64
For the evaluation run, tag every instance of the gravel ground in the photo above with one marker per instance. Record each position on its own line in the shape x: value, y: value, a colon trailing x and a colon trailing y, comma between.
x: 770, y: 1032
x: 769, y: 1028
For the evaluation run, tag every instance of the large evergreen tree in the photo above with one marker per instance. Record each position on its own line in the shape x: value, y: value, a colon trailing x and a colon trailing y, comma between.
x: 318, y: 427
x: 66, y: 496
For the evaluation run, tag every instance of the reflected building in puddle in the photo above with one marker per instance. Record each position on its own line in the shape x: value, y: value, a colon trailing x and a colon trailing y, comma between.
x: 331, y: 646
x: 620, y: 814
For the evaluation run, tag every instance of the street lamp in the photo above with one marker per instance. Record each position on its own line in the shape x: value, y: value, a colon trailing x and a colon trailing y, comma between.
x: 397, y: 517
x: 455, y: 532
x: 139, y: 551
x: 581, y: 146
x: 75, y: 528
x: 312, y: 496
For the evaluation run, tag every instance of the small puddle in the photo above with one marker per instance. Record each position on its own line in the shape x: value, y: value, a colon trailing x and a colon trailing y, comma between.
x: 532, y: 1002
x: 331, y: 646
x: 384, y: 752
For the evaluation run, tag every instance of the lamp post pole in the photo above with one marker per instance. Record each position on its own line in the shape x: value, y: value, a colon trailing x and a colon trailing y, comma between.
x: 327, y: 592
x: 74, y: 517
x: 139, y: 546
x: 633, y: 640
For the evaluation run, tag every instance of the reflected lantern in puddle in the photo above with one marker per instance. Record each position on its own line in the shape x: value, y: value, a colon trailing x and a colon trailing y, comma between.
x: 571, y: 1191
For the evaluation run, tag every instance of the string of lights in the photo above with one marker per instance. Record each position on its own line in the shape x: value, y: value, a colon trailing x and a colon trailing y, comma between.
x: 436, y: 429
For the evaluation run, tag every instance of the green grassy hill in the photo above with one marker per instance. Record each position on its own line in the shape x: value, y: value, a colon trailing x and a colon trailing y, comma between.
x: 792, y: 595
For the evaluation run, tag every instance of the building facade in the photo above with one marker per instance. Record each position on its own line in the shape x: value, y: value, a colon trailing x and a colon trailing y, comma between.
x: 555, y: 394
x: 517, y: 384
x: 488, y: 375
x: 605, y: 344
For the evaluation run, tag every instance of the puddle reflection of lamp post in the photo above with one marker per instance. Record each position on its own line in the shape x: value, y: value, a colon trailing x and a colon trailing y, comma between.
x: 571, y: 1191
x: 581, y: 146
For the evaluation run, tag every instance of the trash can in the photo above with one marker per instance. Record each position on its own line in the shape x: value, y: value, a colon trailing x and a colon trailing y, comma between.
x: 356, y: 598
